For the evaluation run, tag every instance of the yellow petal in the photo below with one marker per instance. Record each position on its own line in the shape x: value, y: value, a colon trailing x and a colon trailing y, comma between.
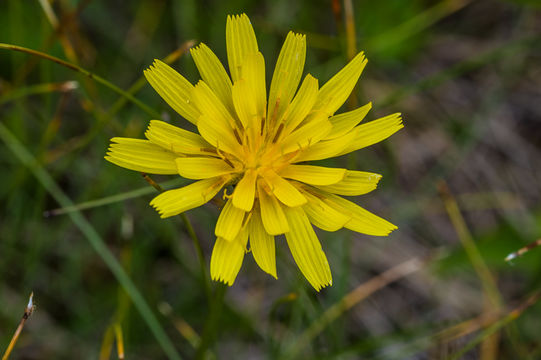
x: 272, y: 214
x: 213, y: 73
x: 243, y: 197
x: 246, y: 110
x: 202, y: 167
x: 226, y: 259
x: 229, y: 222
x: 218, y: 134
x: 361, y: 136
x: 253, y: 72
x: 283, y: 190
x: 215, y: 124
x: 336, y: 91
x: 240, y: 40
x: 325, y: 148
x: 141, y: 155
x: 262, y: 245
x: 343, y: 123
x: 373, y: 132
x: 287, y: 74
x: 354, y: 183
x: 322, y: 215
x: 211, y: 106
x: 173, y: 202
x: 362, y: 221
x: 306, y: 249
x: 313, y: 129
x: 315, y: 175
x: 302, y: 104
x: 249, y: 93
x: 177, y: 140
x: 173, y: 88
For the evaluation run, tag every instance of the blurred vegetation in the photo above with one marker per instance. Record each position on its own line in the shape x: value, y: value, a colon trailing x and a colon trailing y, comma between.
x: 461, y: 181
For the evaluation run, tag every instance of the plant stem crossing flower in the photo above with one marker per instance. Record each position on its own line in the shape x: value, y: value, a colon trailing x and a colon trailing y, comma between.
x: 258, y: 145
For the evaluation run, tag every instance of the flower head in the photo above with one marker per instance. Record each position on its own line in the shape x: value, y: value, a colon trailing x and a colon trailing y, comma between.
x: 258, y: 145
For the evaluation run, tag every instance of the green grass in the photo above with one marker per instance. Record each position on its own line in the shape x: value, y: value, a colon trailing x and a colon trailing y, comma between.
x: 79, y: 233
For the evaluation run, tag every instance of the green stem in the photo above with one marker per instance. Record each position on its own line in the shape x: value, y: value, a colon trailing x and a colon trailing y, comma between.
x: 37, y: 89
x: 26, y: 158
x: 193, y: 236
x: 199, y: 251
x: 113, y: 199
x: 85, y: 72
x: 209, y: 331
x: 119, y: 104
x: 138, y: 85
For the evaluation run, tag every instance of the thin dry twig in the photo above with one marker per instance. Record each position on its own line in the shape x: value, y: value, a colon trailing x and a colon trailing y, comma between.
x: 351, y: 38
x: 489, y: 324
x: 353, y: 298
x: 183, y: 327
x: 464, y: 328
x: 64, y: 41
x: 113, y: 332
x: 493, y: 303
x: 119, y: 341
x: 27, y: 312
x: 498, y: 325
x: 523, y: 250
x: 466, y: 238
x: 106, y: 344
x: 152, y: 183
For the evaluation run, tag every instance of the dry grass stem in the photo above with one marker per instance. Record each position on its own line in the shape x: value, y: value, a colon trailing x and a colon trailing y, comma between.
x: 26, y: 315
x: 353, y: 298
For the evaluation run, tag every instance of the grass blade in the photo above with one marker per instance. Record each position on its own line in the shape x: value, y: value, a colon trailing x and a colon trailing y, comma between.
x: 109, y: 199
x: 87, y: 73
x: 26, y: 158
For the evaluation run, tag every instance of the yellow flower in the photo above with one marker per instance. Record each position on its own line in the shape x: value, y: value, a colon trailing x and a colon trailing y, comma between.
x: 258, y: 145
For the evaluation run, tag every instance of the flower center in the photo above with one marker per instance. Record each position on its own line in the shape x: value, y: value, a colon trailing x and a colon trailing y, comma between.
x: 265, y: 157
x: 259, y: 152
